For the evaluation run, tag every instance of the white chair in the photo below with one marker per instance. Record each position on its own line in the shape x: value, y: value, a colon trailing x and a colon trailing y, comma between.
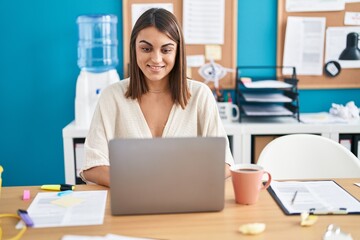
x: 308, y: 156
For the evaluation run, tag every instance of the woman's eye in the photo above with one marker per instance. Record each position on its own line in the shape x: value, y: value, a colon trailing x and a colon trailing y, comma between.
x: 166, y: 50
x: 144, y: 49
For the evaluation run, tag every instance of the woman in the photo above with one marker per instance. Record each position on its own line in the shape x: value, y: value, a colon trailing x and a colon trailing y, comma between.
x: 156, y: 101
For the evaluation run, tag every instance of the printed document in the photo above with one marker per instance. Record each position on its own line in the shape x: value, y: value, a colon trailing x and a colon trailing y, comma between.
x: 204, y: 21
x: 319, y: 197
x: 75, y: 209
x: 304, y: 45
x: 336, y: 43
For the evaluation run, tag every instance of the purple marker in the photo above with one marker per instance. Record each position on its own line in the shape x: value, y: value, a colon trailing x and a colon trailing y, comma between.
x: 25, y: 217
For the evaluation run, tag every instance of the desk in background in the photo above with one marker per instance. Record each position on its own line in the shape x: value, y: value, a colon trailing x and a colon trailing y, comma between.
x: 213, y: 225
x: 243, y: 138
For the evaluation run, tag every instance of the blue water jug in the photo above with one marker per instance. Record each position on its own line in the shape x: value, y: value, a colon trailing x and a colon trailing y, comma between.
x: 97, y: 46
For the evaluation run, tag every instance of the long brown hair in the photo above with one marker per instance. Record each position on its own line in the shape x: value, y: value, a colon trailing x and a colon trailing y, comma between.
x: 166, y: 23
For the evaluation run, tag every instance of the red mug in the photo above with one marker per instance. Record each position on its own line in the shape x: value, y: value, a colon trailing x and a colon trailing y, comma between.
x: 247, y: 182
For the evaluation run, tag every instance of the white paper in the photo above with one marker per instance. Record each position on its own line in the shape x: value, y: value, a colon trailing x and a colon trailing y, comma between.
x: 266, y: 110
x: 267, y: 84
x: 321, y: 117
x: 90, y: 211
x: 321, y: 195
x: 336, y: 43
x: 139, y: 8
x: 266, y: 97
x: 195, y: 60
x: 352, y: 18
x: 314, y: 5
x: 203, y: 21
x: 304, y: 45
x: 107, y: 237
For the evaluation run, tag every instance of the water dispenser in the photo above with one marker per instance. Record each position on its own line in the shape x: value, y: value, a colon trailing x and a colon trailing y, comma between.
x: 97, y: 60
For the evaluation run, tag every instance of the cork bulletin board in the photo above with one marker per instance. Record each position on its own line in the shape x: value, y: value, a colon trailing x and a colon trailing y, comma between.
x: 348, y: 78
x: 228, y: 48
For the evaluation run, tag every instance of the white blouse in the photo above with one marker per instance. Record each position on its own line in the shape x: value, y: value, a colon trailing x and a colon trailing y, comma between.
x: 119, y: 117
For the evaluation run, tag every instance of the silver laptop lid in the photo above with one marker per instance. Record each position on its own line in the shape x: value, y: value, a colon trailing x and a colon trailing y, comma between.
x: 167, y: 175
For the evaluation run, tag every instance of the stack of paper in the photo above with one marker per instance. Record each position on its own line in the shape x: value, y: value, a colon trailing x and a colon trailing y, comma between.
x: 268, y: 84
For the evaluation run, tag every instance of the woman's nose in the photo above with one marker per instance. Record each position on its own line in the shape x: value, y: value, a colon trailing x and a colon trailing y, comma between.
x: 156, y: 56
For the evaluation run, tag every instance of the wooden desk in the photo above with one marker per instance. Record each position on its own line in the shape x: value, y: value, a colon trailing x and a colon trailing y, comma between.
x: 218, y: 225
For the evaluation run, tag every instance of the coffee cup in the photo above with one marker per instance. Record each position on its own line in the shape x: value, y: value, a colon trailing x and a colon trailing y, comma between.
x: 247, y: 182
x: 228, y: 111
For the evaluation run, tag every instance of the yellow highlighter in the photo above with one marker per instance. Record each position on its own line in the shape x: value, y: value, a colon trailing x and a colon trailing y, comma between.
x: 58, y: 187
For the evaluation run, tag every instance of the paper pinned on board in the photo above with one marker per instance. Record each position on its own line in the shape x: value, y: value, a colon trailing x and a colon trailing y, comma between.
x: 139, y: 8
x: 336, y: 43
x: 352, y: 18
x: 314, y: 5
x: 204, y: 21
x: 304, y: 45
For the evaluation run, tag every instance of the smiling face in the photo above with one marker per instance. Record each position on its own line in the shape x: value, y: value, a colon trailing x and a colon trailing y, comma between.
x: 155, y: 54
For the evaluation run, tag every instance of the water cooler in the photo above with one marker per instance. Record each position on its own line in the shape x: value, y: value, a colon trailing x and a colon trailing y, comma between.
x: 97, y: 59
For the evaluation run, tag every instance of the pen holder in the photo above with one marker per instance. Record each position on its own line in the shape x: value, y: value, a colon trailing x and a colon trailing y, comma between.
x: 228, y: 111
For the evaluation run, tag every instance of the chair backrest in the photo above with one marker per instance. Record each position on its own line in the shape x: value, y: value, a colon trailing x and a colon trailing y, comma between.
x: 308, y: 156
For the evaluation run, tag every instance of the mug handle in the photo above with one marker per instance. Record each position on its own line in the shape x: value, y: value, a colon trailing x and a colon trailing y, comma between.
x: 237, y: 112
x: 268, y: 181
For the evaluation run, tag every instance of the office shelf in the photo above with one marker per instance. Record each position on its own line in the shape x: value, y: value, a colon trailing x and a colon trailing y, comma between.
x: 260, y: 97
x: 242, y: 138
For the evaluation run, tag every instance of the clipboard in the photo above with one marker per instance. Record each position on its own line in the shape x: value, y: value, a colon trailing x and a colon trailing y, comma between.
x: 315, y: 197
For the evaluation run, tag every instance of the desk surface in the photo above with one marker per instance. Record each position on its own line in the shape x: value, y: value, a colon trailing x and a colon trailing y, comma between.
x: 217, y: 225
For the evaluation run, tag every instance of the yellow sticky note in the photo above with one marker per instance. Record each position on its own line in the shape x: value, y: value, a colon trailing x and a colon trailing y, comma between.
x: 67, y: 201
x: 213, y: 52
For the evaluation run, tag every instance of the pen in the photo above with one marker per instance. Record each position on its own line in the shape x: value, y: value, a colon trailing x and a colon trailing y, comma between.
x: 328, y: 212
x: 23, y: 214
x: 58, y: 187
x: 293, y: 199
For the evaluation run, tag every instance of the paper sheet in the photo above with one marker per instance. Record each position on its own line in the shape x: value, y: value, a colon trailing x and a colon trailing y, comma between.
x: 139, y: 8
x: 336, y: 43
x: 88, y: 210
x: 195, y: 60
x: 266, y: 97
x: 107, y: 237
x: 314, y: 5
x: 266, y: 110
x: 204, y: 21
x: 321, y: 195
x: 304, y: 45
x: 267, y: 84
x: 321, y: 117
x: 352, y: 18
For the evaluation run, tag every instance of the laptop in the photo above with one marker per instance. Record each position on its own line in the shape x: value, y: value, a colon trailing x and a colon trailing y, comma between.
x: 167, y: 175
